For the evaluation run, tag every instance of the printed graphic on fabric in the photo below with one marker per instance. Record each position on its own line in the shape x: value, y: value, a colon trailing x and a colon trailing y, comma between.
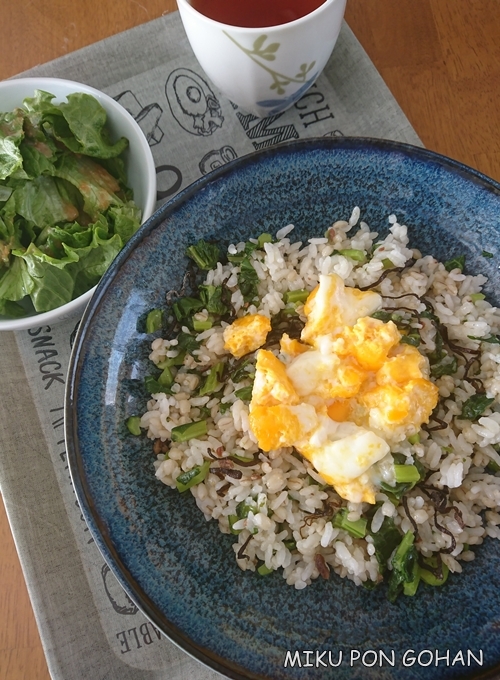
x: 121, y: 602
x: 147, y: 116
x: 193, y: 103
x: 216, y: 158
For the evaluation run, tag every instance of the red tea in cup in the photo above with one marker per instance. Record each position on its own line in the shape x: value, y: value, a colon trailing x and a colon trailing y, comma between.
x: 255, y: 13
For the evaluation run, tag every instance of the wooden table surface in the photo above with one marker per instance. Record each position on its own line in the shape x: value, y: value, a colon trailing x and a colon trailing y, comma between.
x: 440, y: 59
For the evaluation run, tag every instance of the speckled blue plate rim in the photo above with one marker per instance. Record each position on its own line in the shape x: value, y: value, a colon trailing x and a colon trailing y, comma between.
x: 97, y: 528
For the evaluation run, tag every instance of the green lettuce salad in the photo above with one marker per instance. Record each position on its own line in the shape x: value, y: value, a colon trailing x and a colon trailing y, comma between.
x: 65, y: 208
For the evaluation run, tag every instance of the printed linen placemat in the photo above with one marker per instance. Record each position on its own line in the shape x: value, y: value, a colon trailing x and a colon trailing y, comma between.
x: 88, y: 625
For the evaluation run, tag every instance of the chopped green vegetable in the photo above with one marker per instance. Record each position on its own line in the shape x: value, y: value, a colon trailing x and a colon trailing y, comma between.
x: 249, y: 248
x: 247, y: 280
x: 296, y: 296
x: 166, y: 379
x: 187, y: 342
x: 475, y: 406
x: 455, y: 263
x: 224, y: 406
x: 192, y: 477
x: 182, y: 433
x: 133, y: 425
x: 241, y: 373
x: 154, y: 387
x: 412, y: 339
x: 385, y: 540
x: 438, y: 353
x: 382, y: 315
x: 427, y: 314
x: 406, y: 473
x: 232, y: 519
x: 414, y: 438
x: 404, y: 566
x: 206, y: 255
x: 485, y: 253
x: 353, y: 254
x: 415, y: 472
x: 212, y: 382
x: 245, y: 393
x: 172, y: 361
x: 290, y: 544
x: 493, y: 467
x: 437, y: 573
x: 388, y: 264
x: 236, y: 259
x: 264, y: 238
x: 492, y: 339
x: 185, y: 307
x: 263, y: 570
x: 246, y: 506
x: 448, y: 366
x: 356, y: 528
x: 211, y: 297
x: 475, y: 297
x: 200, y: 325
x: 154, y: 320
x: 410, y: 587
x: 65, y: 210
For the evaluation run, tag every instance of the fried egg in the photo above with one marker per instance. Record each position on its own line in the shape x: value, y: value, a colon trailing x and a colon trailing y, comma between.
x: 246, y: 334
x: 332, y: 305
x: 325, y: 375
x: 282, y: 425
x: 344, y: 393
x: 271, y: 384
x: 344, y: 457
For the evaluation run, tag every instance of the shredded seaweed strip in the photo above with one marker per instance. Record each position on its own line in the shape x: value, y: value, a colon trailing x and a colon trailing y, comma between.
x: 241, y: 552
x: 446, y: 531
x: 442, y: 425
x: 438, y: 497
x: 386, y: 273
x: 243, y: 463
x: 327, y: 511
x: 223, y: 490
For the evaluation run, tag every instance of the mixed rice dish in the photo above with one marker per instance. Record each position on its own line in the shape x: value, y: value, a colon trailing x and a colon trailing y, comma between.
x: 333, y: 405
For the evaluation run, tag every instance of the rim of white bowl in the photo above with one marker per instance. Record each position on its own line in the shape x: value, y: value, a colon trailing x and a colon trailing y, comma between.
x: 68, y: 310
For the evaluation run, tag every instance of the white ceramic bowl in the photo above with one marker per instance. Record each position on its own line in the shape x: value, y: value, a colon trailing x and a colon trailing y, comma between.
x: 141, y: 171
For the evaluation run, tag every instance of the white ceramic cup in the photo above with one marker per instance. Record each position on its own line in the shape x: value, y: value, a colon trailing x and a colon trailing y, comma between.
x: 264, y: 70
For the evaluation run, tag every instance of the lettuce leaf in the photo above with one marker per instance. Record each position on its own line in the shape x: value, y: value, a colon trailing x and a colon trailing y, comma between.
x: 65, y: 209
x: 97, y: 187
x: 15, y: 282
x: 41, y: 203
x: 80, y: 125
x: 11, y: 134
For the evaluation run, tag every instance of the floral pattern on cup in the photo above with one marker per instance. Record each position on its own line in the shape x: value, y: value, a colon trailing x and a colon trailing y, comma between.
x: 262, y: 52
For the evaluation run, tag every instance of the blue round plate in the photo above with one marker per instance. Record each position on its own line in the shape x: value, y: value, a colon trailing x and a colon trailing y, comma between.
x: 177, y: 567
